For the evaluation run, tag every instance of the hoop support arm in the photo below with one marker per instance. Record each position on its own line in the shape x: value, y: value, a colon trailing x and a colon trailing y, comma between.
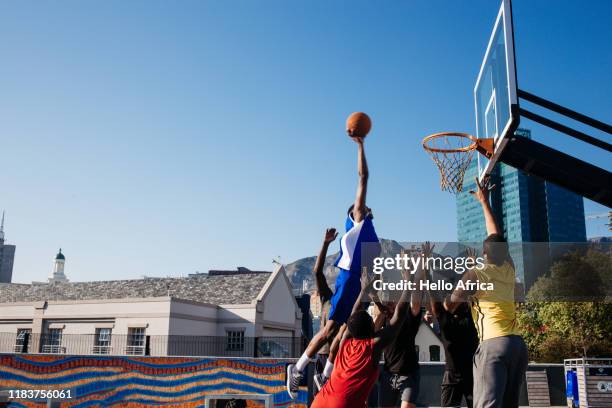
x: 485, y: 146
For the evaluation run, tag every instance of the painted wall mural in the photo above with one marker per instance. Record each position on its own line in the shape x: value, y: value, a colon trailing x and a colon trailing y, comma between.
x: 96, y: 381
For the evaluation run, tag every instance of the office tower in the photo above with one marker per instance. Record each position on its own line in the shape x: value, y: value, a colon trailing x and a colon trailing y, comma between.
x: 528, y: 210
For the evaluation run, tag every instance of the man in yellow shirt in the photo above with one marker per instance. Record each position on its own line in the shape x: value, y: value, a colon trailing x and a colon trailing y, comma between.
x: 500, y: 361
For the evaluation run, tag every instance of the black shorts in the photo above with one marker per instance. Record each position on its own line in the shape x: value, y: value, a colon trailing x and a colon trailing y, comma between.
x: 396, y: 388
x: 456, y: 386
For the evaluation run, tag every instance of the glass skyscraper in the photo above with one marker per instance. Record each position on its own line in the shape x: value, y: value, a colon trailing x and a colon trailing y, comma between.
x: 528, y: 210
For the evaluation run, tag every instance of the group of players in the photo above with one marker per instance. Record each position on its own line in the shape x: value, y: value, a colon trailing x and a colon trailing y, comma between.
x: 485, y: 357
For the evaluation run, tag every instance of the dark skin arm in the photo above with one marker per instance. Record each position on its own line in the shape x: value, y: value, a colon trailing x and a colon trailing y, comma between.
x: 420, y: 276
x: 459, y: 295
x: 482, y: 195
x: 436, y: 305
x: 388, y: 334
x: 364, y: 298
x: 408, y: 302
x: 359, y: 209
x: 366, y: 295
x: 322, y: 286
x: 384, y: 313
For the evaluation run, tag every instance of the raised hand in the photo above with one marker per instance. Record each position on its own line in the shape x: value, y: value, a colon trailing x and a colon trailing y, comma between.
x: 330, y: 235
x: 406, y: 272
x: 482, y: 190
x: 386, y: 309
x: 357, y: 139
x: 427, y: 248
x: 367, y: 282
x: 470, y: 253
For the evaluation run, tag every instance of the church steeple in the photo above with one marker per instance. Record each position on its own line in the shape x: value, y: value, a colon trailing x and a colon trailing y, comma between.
x: 58, y: 269
x: 60, y: 255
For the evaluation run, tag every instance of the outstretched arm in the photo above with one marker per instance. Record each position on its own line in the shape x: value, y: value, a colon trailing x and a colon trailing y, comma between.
x: 482, y: 195
x: 364, y: 298
x: 322, y: 286
x: 435, y: 304
x: 383, y: 314
x: 434, y: 300
x: 420, y: 276
x: 460, y: 295
x: 359, y: 209
x: 386, y: 336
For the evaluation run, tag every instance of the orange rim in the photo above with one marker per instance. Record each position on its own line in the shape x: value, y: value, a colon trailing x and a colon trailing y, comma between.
x: 444, y: 134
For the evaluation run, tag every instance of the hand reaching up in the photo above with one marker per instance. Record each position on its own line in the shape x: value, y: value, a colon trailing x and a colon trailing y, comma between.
x: 330, y: 235
x: 482, y: 189
x: 427, y: 248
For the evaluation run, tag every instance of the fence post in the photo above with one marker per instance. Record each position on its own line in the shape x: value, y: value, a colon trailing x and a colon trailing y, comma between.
x: 255, y: 346
x: 26, y: 340
x: 41, y: 342
x: 293, y: 339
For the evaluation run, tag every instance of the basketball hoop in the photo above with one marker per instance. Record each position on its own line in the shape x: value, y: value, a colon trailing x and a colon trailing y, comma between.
x: 452, y: 152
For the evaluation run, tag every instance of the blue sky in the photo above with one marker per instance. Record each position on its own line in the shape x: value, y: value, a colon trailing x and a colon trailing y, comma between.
x: 161, y: 138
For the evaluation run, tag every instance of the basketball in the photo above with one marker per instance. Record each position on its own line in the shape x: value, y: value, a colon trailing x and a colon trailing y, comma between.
x: 358, y: 124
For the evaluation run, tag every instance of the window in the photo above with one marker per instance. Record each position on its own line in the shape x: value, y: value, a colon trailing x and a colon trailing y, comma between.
x: 53, y: 342
x: 102, y: 342
x: 235, y: 340
x: 22, y: 340
x: 434, y: 353
x: 136, y: 341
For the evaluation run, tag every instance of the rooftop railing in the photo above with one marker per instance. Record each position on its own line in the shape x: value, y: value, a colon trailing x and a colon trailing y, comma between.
x: 151, y: 345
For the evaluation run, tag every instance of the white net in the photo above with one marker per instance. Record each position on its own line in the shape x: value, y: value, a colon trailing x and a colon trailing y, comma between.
x: 452, y: 153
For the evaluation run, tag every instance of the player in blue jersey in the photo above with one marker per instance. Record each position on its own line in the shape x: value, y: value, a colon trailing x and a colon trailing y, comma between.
x: 358, y: 247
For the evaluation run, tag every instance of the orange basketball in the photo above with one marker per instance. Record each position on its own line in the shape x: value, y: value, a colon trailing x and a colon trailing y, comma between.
x: 358, y: 124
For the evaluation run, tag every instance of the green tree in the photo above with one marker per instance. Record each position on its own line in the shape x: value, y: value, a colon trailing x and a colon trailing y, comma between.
x: 576, y: 277
x: 567, y: 313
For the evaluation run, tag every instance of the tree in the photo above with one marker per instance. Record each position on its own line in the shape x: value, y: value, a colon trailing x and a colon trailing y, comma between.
x: 576, y: 277
x: 567, y: 313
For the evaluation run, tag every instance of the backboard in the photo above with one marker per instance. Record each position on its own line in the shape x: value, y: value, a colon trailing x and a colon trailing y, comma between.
x: 495, y: 92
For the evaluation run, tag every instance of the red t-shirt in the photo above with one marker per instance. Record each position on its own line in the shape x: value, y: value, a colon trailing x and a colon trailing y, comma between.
x: 354, y: 375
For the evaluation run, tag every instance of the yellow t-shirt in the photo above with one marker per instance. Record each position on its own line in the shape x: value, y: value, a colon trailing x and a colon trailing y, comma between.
x: 494, y: 311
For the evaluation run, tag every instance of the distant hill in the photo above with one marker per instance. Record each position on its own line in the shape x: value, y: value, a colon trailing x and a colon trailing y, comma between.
x: 301, y: 270
x: 600, y: 240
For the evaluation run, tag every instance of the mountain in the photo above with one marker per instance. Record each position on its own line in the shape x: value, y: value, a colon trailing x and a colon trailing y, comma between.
x: 301, y: 270
x: 600, y: 240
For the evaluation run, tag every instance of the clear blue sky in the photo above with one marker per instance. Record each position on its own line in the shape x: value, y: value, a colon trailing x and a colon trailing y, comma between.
x: 161, y: 138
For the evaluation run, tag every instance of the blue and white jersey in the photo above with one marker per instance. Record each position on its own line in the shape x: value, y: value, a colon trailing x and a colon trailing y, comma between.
x: 359, y: 237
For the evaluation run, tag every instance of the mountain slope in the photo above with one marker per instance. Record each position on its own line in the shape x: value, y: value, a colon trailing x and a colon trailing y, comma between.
x: 301, y: 270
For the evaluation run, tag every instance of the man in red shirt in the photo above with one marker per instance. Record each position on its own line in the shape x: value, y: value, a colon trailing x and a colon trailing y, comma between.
x: 356, y: 365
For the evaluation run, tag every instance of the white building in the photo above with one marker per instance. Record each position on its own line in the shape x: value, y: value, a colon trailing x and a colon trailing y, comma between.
x: 220, y: 313
x: 429, y: 345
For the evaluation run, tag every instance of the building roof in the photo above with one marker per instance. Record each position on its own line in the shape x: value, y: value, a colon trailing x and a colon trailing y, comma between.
x: 241, y: 270
x: 216, y: 290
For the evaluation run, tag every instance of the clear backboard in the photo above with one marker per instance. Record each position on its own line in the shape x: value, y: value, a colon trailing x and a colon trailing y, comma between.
x: 495, y: 92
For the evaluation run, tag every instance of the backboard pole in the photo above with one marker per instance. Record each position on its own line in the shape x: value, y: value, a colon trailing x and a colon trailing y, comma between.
x: 565, y: 129
x: 564, y: 111
x: 557, y: 167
